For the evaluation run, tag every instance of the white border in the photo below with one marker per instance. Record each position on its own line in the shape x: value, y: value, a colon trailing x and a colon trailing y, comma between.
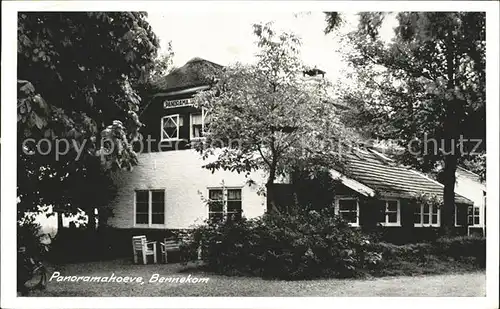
x: 8, y: 170
x: 492, y: 181
x: 250, y: 6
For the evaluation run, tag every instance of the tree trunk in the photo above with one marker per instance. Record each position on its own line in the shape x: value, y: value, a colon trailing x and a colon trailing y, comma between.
x: 271, y: 204
x: 92, y: 217
x: 451, y: 131
x: 59, y: 221
x: 448, y: 210
x: 271, y: 199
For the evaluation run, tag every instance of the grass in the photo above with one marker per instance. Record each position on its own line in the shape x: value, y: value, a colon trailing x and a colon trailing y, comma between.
x: 456, y: 284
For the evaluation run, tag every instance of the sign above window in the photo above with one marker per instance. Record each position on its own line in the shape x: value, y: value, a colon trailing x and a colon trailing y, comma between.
x: 177, y: 103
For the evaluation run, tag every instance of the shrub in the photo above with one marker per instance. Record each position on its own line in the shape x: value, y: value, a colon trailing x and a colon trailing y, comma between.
x: 29, y: 246
x: 463, y: 248
x: 28, y: 235
x: 410, y: 252
x: 300, y: 245
x: 80, y: 244
x: 445, y: 254
x: 226, y: 247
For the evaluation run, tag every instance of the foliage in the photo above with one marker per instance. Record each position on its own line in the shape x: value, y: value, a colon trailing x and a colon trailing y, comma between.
x: 155, y: 76
x: 333, y: 21
x: 410, y: 252
x: 29, y: 246
x: 268, y: 115
x: 427, y: 199
x: 444, y: 254
x: 29, y: 237
x: 463, y: 247
x: 78, y: 245
x: 477, y: 165
x: 314, y: 188
x: 163, y: 64
x: 76, y: 77
x: 296, y: 245
x: 224, y: 246
x: 424, y: 89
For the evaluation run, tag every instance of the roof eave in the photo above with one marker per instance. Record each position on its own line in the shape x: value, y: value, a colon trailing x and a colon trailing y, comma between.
x: 353, y: 184
x: 193, y: 89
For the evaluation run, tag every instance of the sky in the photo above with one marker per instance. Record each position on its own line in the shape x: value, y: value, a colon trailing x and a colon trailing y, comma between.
x: 227, y: 38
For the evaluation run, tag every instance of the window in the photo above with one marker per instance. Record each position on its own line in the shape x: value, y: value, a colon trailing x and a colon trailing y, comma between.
x: 157, y: 207
x: 473, y: 215
x: 170, y: 127
x: 199, y: 124
x: 461, y: 215
x: 224, y: 204
x: 149, y: 207
x: 426, y: 215
x: 348, y: 209
x: 391, y: 213
x: 234, y: 204
x: 142, y: 207
x: 216, y: 205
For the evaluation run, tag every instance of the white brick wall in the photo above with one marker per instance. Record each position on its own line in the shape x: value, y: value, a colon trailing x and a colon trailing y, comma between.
x: 181, y: 174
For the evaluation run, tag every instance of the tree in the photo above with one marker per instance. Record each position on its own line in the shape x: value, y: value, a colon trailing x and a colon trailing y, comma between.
x: 268, y: 116
x: 163, y: 64
x: 77, y: 104
x: 425, y: 89
x: 333, y: 21
x: 155, y: 76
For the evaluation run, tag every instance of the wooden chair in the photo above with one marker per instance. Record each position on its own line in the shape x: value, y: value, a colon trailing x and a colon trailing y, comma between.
x: 168, y: 245
x: 143, y: 247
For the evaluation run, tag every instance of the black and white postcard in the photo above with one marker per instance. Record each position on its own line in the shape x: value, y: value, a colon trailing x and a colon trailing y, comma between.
x: 250, y: 154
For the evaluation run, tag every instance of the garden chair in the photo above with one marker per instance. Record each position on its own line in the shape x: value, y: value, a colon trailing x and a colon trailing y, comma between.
x: 168, y: 245
x: 143, y: 247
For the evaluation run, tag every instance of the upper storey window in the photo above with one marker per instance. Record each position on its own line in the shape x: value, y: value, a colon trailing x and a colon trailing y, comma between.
x: 170, y: 127
x: 199, y: 124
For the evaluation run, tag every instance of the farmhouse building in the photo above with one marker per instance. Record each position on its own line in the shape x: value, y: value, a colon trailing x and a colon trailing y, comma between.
x: 169, y: 187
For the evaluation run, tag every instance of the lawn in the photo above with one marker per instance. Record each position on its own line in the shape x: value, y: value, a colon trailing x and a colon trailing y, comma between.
x: 458, y: 284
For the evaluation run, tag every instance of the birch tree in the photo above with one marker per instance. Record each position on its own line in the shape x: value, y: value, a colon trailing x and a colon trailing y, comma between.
x: 268, y: 116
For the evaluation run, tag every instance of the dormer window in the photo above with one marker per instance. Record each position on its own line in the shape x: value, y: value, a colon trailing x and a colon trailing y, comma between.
x: 199, y: 124
x: 170, y: 127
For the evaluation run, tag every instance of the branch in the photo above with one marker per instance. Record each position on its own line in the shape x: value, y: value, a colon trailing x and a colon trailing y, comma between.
x: 262, y: 155
x: 392, y: 65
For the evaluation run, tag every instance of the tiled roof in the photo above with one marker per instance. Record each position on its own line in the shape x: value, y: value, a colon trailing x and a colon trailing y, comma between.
x: 389, y: 179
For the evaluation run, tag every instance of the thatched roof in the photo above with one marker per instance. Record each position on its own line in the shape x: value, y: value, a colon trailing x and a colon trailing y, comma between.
x: 195, y: 72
